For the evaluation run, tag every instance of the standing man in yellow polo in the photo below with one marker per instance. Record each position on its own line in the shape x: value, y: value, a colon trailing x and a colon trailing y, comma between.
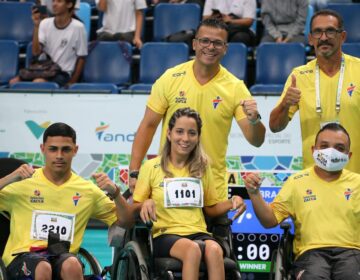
x: 205, y: 86
x: 324, y: 90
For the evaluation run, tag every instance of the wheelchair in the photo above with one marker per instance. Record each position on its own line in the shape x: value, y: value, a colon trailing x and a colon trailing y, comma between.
x: 134, y: 258
x: 282, y: 258
x: 90, y: 265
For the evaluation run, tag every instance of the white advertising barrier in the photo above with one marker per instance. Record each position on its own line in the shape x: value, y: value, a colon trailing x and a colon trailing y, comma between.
x: 287, y: 142
x: 104, y: 123
x: 108, y: 123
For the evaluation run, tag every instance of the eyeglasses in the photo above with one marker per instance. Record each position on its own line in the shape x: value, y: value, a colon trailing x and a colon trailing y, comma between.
x: 330, y: 33
x: 205, y: 42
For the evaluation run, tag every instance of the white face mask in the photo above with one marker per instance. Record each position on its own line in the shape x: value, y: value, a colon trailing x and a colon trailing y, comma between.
x: 330, y: 159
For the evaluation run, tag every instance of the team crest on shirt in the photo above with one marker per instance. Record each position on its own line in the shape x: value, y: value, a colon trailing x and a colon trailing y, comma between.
x: 63, y: 43
x: 36, y: 198
x: 348, y: 192
x: 216, y: 102
x: 350, y: 89
x: 181, y: 98
x: 309, y: 196
x: 76, y: 198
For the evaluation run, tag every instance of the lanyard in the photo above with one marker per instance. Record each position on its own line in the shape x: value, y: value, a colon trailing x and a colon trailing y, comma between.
x: 340, y: 85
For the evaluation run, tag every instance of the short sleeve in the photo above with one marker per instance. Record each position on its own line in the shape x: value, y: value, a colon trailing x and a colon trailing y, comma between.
x: 211, y: 196
x: 157, y: 101
x: 42, y: 32
x: 82, y: 49
x: 242, y: 93
x: 143, y: 184
x: 104, y: 209
x: 283, y: 205
x: 140, y: 4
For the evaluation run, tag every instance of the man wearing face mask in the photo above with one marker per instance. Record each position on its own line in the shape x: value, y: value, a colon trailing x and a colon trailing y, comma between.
x: 324, y: 203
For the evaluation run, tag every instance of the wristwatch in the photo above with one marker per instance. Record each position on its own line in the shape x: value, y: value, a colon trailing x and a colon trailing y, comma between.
x: 258, y: 119
x: 115, y: 194
x: 134, y: 174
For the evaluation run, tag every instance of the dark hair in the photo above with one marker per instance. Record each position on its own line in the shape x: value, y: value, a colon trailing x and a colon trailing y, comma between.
x: 73, y: 6
x: 328, y: 13
x: 60, y: 129
x: 197, y: 160
x: 333, y: 127
x: 214, y: 23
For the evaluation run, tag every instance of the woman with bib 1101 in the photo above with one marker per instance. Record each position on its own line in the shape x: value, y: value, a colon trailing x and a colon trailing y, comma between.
x: 174, y: 189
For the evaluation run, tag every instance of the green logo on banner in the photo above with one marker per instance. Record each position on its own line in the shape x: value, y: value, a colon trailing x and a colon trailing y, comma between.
x: 37, y: 130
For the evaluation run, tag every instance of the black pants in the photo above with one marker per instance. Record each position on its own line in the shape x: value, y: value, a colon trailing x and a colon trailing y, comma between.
x: 328, y: 263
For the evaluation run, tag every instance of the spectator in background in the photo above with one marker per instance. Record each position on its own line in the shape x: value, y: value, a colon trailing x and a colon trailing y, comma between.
x: 122, y: 21
x: 324, y: 90
x: 239, y: 15
x: 63, y: 39
x: 49, y: 5
x: 284, y: 21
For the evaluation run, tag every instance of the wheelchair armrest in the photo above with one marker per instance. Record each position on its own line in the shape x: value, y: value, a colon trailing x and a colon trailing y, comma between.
x: 285, y: 226
x: 116, y: 236
x: 222, y: 220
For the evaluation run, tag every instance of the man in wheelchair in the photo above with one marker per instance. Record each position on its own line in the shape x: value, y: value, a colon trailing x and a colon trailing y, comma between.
x: 173, y: 190
x: 324, y: 203
x: 53, y: 199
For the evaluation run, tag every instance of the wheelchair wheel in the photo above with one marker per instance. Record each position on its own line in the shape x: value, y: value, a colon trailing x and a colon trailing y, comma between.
x: 2, y: 270
x: 90, y: 265
x: 130, y: 264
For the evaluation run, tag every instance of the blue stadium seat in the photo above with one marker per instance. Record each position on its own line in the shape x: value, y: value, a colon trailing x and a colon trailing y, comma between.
x: 274, y: 62
x: 9, y: 59
x: 235, y: 60
x: 156, y: 58
x: 310, y: 13
x: 350, y: 13
x: 351, y: 49
x: 15, y: 22
x: 172, y: 18
x: 108, y: 62
x: 84, y: 14
x: 35, y: 86
x: 94, y: 87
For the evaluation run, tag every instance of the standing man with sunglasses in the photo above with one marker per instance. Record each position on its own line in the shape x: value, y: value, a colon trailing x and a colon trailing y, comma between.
x: 205, y: 86
x: 325, y: 90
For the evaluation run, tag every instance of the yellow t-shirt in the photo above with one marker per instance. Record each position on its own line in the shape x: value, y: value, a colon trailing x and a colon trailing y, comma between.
x: 326, y: 214
x: 77, y: 196
x: 349, y: 115
x: 180, y: 220
x: 217, y: 103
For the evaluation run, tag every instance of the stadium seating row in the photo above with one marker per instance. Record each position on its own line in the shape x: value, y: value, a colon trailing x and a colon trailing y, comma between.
x: 168, y: 19
x: 109, y: 64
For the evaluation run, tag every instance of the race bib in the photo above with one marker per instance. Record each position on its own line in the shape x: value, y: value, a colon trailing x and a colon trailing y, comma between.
x: 183, y: 192
x: 45, y: 221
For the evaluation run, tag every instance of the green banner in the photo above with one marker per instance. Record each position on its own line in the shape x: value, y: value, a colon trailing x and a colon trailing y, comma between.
x: 254, y: 266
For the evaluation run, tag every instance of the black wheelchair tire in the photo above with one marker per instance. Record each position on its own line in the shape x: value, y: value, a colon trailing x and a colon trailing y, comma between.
x: 3, y: 275
x: 130, y: 256
x: 91, y: 265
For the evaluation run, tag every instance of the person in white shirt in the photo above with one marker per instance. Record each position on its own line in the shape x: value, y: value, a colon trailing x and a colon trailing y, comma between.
x: 63, y: 39
x: 122, y: 21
